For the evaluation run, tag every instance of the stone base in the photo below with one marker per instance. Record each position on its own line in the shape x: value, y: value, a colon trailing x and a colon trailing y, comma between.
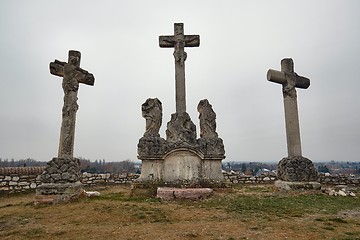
x: 182, y: 164
x: 200, y: 183
x: 58, y: 193
x: 166, y: 193
x: 61, y: 170
x: 149, y: 188
x: 288, y: 186
x: 296, y: 169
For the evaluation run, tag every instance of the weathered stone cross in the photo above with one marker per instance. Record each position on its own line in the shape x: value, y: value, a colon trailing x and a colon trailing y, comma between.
x: 289, y: 79
x: 72, y: 75
x: 179, y: 41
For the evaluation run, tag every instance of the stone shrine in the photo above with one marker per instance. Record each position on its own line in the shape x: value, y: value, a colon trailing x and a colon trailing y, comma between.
x: 181, y: 159
x: 60, y: 182
x: 295, y: 167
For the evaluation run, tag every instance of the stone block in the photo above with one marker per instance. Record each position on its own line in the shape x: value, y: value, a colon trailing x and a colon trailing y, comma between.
x: 287, y: 186
x: 296, y: 169
x: 15, y: 179
x: 166, y: 193
x: 181, y: 165
x: 65, y: 176
x: 56, y: 177
x: 58, y: 193
x: 12, y: 183
x: 92, y: 194
x: 64, y: 168
x: 87, y: 174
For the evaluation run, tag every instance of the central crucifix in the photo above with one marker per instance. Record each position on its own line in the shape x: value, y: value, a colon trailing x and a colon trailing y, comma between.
x: 179, y: 41
x: 181, y: 156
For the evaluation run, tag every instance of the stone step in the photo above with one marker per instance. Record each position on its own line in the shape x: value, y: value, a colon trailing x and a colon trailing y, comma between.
x: 167, y: 193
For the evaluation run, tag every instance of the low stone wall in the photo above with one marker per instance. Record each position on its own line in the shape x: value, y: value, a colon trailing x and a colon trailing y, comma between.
x: 338, y: 180
x: 236, y: 178
x: 89, y: 179
x: 325, y: 179
x: 17, y: 179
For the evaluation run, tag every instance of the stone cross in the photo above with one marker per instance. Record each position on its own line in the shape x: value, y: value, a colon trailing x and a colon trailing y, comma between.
x: 72, y: 75
x: 289, y: 80
x: 179, y: 41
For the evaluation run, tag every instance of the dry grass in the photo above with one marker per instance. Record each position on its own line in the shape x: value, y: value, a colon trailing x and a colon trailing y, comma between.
x: 253, y: 212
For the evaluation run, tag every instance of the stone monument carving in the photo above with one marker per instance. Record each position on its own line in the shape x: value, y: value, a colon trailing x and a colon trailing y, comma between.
x: 152, y: 112
x: 295, y: 167
x: 181, y: 129
x: 182, y: 158
x: 61, y: 179
x: 207, y: 118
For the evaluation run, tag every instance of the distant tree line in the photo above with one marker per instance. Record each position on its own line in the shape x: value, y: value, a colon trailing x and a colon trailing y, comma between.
x: 128, y: 166
x: 332, y: 167
x: 101, y: 166
x: 97, y: 166
x: 29, y: 162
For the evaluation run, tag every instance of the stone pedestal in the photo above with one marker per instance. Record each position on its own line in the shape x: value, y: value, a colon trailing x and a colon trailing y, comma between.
x: 296, y: 169
x: 58, y: 192
x: 181, y: 160
x: 60, y: 182
x: 182, y: 165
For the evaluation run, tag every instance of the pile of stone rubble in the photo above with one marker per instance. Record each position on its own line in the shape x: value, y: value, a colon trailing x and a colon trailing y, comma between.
x: 340, y: 190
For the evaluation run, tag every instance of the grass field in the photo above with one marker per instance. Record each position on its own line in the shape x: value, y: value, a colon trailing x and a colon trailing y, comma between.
x: 247, y: 212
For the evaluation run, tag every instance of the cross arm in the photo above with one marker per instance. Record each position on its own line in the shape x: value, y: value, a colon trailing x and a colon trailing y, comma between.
x: 280, y: 77
x: 85, y: 77
x: 192, y: 40
x: 82, y: 76
x: 169, y: 41
x: 57, y: 68
x: 166, y: 41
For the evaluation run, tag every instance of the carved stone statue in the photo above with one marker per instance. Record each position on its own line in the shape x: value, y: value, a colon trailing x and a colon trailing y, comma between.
x: 207, y: 118
x: 152, y: 112
x: 181, y: 129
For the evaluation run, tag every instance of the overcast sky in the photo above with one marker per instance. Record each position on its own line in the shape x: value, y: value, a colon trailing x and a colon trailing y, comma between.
x: 239, y: 42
